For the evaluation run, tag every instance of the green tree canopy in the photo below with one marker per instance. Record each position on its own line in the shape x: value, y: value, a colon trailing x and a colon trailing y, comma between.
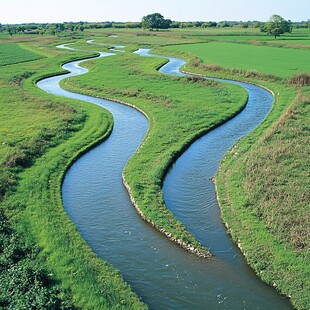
x: 277, y: 25
x: 155, y: 21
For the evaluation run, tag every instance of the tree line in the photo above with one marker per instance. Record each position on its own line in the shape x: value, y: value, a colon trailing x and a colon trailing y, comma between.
x: 275, y: 26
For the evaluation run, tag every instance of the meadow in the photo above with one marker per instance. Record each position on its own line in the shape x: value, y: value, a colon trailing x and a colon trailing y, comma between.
x: 285, y: 225
x: 281, y: 62
x: 41, y: 135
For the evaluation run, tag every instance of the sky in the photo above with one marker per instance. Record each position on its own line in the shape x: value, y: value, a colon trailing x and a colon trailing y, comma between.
x: 58, y: 11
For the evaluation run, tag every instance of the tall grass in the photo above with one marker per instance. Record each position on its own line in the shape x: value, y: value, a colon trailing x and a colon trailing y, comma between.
x: 268, y: 212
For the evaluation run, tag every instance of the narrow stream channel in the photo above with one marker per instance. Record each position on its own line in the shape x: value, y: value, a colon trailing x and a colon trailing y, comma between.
x: 162, y: 274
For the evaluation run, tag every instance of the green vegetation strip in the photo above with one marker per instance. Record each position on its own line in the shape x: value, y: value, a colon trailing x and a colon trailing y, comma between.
x: 267, y: 213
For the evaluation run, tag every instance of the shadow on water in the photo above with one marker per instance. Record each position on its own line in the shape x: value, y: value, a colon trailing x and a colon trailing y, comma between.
x: 162, y: 274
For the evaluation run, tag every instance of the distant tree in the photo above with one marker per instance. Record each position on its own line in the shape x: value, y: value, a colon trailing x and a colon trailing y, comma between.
x: 60, y: 27
x: 41, y: 30
x: 244, y: 25
x: 223, y: 24
x: 107, y: 25
x: 70, y: 27
x: 167, y: 23
x: 155, y: 21
x: 256, y: 24
x: 187, y: 25
x: 11, y: 29
x: 209, y: 24
x: 19, y: 29
x: 119, y: 25
x: 175, y: 25
x: 80, y: 27
x: 133, y: 25
x: 276, y: 26
x: 52, y: 29
x: 198, y: 24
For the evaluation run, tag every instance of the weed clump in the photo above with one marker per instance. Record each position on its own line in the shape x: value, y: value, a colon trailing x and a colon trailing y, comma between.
x: 300, y: 79
x: 24, y: 282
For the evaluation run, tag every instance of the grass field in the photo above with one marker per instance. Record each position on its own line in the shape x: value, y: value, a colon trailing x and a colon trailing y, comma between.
x: 282, y: 62
x: 41, y: 135
x: 13, y: 53
x: 268, y: 212
x: 299, y: 38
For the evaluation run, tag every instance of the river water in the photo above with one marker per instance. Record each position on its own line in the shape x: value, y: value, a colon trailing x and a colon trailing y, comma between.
x: 162, y: 274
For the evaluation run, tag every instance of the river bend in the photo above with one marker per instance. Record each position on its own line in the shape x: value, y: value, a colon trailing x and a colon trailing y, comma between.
x: 162, y: 274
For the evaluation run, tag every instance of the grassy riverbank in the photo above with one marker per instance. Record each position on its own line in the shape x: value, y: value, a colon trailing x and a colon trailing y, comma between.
x: 44, y: 261
x: 263, y: 185
x: 267, y: 213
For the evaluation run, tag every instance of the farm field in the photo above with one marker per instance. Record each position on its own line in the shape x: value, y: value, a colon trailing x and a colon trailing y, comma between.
x: 300, y: 38
x: 14, y: 53
x: 282, y: 62
x: 37, y: 128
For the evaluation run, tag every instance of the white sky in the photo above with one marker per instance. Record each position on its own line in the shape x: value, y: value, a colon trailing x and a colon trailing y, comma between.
x: 40, y: 11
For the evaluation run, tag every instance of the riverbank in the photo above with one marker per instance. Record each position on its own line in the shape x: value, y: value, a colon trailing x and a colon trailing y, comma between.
x: 47, y: 263
x: 267, y: 215
x: 262, y: 213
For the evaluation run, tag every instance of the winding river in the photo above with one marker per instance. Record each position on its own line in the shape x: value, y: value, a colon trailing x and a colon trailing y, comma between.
x: 162, y: 274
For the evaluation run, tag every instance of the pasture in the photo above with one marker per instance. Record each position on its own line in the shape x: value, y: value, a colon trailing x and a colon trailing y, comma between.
x: 281, y: 62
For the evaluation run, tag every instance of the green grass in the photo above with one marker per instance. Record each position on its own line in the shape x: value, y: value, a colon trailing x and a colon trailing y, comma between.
x: 299, y: 38
x: 14, y: 53
x: 282, y: 62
